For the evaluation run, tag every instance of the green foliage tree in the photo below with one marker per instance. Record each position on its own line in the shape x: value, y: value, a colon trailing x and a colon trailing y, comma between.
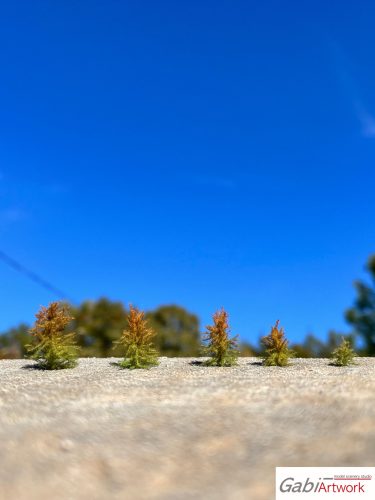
x: 221, y: 349
x: 137, y: 341
x: 177, y: 331
x: 53, y: 347
x: 343, y: 355
x: 98, y: 325
x: 277, y: 352
x: 362, y: 315
x: 13, y: 342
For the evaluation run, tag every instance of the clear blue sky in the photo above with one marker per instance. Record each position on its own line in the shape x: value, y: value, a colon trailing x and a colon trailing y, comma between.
x: 204, y: 153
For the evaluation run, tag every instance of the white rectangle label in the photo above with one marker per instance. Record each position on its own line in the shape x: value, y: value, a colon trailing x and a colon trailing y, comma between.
x: 298, y: 483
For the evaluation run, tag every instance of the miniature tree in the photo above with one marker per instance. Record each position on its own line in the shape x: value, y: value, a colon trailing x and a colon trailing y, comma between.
x: 53, y: 347
x: 137, y: 340
x: 220, y: 347
x: 343, y: 355
x: 277, y: 352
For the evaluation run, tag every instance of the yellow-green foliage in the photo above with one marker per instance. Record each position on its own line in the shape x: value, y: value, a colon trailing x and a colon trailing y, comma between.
x: 137, y: 340
x: 277, y: 352
x: 53, y: 348
x: 343, y: 355
x: 220, y: 347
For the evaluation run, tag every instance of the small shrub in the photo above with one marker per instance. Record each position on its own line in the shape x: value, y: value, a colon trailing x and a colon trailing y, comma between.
x: 137, y: 340
x: 53, y: 348
x: 220, y: 347
x: 277, y: 352
x: 343, y: 355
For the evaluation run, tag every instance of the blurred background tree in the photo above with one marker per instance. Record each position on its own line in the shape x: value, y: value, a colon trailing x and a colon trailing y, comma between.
x: 13, y: 341
x: 362, y: 315
x: 98, y: 324
x: 246, y: 349
x: 177, y: 331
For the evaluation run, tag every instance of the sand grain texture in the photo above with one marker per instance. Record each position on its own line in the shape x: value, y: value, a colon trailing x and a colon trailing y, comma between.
x: 178, y: 431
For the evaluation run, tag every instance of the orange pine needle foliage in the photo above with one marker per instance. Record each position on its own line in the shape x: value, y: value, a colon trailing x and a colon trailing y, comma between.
x: 220, y: 347
x: 53, y: 347
x: 137, y: 340
x: 277, y: 351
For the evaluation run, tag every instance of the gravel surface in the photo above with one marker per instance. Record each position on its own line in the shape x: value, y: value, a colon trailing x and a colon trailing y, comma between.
x: 180, y: 430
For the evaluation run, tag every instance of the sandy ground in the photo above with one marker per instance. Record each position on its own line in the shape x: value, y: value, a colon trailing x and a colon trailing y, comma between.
x: 178, y: 431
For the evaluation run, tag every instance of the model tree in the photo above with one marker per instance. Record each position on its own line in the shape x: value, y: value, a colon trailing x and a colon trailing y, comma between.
x: 53, y: 348
x: 343, y: 355
x: 218, y: 345
x: 277, y: 352
x: 137, y: 341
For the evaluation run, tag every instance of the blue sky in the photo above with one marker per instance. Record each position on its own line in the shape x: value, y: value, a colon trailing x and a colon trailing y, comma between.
x: 204, y: 153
